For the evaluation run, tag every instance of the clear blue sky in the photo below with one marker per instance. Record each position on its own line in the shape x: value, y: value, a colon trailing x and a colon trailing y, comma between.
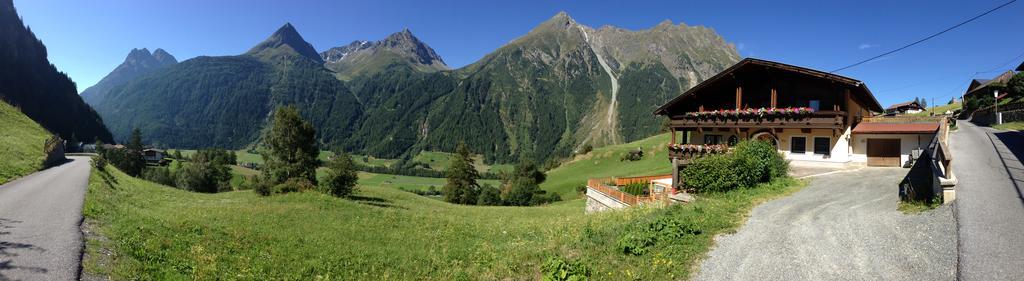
x: 87, y: 39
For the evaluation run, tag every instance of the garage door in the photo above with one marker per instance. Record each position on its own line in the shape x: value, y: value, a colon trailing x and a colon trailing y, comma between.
x: 884, y: 152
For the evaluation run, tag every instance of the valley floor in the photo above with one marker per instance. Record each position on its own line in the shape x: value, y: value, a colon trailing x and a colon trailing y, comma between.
x: 144, y: 229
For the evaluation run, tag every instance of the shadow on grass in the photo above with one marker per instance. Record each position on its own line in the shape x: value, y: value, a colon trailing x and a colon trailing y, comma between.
x: 374, y: 201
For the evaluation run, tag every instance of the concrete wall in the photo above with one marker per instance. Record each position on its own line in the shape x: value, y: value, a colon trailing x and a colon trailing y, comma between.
x: 598, y: 202
x: 908, y: 143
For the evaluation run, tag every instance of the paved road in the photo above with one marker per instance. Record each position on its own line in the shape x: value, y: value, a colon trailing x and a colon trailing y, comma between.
x: 842, y: 226
x: 989, y: 206
x: 39, y: 223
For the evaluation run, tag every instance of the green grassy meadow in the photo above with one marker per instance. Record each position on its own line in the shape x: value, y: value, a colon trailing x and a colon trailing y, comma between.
x: 157, y: 232
x: 21, y: 144
x: 605, y: 162
x: 941, y: 109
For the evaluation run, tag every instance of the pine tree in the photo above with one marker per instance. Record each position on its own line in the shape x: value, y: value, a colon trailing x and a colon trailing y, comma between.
x: 292, y: 148
x: 462, y: 187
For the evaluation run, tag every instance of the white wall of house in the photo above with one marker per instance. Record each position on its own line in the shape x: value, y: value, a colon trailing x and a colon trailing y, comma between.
x: 908, y: 143
x: 839, y: 145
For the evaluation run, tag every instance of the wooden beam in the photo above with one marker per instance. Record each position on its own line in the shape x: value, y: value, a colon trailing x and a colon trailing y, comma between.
x: 775, y: 97
x: 673, y: 135
x: 739, y: 97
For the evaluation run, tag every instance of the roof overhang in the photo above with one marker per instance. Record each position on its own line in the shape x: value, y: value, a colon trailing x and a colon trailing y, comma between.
x: 872, y: 103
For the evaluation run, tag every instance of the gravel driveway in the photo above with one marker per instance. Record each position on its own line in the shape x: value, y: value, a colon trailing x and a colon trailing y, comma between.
x: 842, y: 226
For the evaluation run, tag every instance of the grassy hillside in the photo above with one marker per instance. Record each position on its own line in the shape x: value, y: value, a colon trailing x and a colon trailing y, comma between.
x: 940, y: 109
x: 156, y: 232
x: 441, y: 160
x: 21, y: 144
x: 605, y: 162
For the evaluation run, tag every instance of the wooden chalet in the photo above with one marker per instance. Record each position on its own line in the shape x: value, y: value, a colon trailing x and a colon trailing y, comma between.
x: 909, y: 107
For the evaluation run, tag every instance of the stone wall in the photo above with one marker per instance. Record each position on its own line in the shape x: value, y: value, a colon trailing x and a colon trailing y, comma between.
x: 54, y: 149
x: 598, y: 202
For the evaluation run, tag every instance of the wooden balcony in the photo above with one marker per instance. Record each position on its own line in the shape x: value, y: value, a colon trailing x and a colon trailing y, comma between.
x: 816, y: 120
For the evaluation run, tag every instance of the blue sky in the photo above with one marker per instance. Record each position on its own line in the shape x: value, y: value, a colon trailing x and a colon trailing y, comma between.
x: 87, y: 39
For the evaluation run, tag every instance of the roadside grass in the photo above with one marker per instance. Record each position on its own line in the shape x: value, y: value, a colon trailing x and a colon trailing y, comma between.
x: 605, y: 162
x: 21, y: 144
x: 1010, y: 126
x: 918, y: 206
x: 940, y: 109
x: 150, y: 231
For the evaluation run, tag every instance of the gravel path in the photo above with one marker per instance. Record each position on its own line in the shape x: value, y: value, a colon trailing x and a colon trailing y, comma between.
x: 842, y: 226
x: 988, y: 201
x: 39, y: 220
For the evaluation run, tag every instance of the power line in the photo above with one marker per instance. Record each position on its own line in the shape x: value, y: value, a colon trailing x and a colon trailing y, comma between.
x: 926, y: 38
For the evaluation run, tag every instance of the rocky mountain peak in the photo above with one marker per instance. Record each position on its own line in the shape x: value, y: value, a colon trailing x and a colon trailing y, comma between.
x: 286, y: 37
x: 164, y: 57
x: 403, y: 43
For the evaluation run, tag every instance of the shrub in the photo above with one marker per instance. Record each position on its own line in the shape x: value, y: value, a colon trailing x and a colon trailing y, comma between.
x: 556, y: 268
x: 635, y: 189
x: 100, y: 163
x: 712, y: 173
x: 489, y: 196
x: 587, y: 148
x: 581, y: 189
x: 635, y: 155
x: 750, y: 163
x: 203, y: 177
x: 294, y: 185
x: 341, y: 176
x: 668, y: 226
x: 159, y: 175
x: 262, y: 187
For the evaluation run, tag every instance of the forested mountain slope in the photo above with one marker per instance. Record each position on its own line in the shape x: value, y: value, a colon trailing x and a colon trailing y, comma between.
x: 561, y: 86
x: 28, y: 81
x: 137, y: 63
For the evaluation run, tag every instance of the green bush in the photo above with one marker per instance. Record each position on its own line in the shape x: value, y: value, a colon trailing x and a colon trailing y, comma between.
x: 635, y: 189
x: 100, y: 163
x: 262, y: 187
x: 158, y: 175
x: 341, y: 178
x: 489, y: 196
x: 203, y: 177
x: 669, y: 226
x: 713, y: 173
x: 750, y: 163
x: 556, y: 268
x: 294, y: 185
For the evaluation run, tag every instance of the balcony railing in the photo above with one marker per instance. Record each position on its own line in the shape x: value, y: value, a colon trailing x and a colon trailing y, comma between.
x: 687, y: 152
x: 813, y: 120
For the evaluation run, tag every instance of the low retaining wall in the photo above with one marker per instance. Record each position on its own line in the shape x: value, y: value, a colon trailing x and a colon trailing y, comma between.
x: 54, y: 149
x: 598, y: 202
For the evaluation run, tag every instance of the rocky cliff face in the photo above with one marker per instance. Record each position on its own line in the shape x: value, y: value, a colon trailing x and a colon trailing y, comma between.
x: 401, y: 49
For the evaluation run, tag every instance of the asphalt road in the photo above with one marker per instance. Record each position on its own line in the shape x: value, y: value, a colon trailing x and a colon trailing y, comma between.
x: 842, y: 226
x: 989, y: 205
x: 40, y: 217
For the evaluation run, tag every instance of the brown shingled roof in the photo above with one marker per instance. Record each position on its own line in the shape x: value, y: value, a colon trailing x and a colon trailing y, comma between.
x: 889, y: 128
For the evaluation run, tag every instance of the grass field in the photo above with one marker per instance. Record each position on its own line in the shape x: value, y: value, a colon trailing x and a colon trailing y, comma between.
x: 21, y: 144
x: 604, y: 162
x: 940, y: 109
x: 158, y: 232
x: 442, y: 160
x: 408, y: 182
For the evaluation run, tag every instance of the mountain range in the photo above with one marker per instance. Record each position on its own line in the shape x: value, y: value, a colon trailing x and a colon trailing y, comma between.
x: 561, y: 86
x: 138, y: 62
x: 31, y: 83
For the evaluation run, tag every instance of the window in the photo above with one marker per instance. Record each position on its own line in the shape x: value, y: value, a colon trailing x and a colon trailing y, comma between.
x: 821, y: 145
x: 712, y: 139
x: 815, y: 104
x: 733, y: 140
x: 798, y: 145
